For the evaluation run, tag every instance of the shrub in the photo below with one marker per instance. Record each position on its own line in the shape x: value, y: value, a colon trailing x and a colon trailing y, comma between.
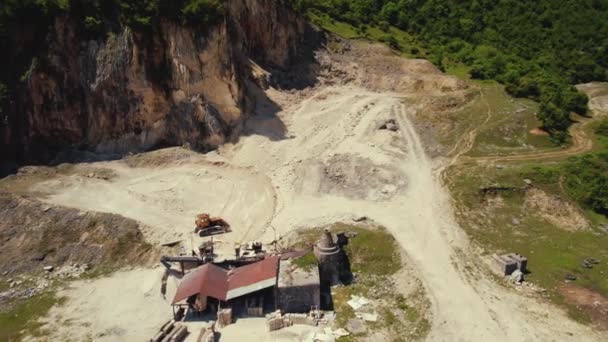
x: 202, y: 12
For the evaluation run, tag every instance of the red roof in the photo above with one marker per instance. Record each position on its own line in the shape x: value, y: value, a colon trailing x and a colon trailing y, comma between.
x: 216, y: 282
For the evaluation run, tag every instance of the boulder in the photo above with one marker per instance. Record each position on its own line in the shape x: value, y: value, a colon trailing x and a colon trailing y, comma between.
x: 516, y: 277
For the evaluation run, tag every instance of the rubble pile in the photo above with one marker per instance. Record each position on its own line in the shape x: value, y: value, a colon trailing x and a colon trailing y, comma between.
x: 327, y: 335
x: 69, y: 271
x: 277, y: 320
x: 362, y: 308
x: 23, y: 288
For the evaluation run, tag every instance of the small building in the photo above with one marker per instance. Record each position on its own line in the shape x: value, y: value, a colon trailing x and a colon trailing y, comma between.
x: 507, y: 263
x: 298, y: 289
x: 247, y: 289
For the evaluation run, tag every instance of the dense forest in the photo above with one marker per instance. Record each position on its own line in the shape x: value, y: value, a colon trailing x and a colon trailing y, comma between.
x: 95, y: 14
x: 538, y: 49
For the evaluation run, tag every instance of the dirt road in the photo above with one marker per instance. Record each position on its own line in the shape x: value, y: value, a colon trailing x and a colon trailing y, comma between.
x: 334, y: 163
x: 581, y: 141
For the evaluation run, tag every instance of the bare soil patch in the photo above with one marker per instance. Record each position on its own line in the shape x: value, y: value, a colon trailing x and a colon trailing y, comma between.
x: 539, y: 131
x: 555, y: 210
x: 590, y: 302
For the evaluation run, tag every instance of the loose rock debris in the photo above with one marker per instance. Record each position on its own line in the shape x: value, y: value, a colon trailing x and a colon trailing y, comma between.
x: 369, y: 317
x: 357, y: 302
x: 390, y: 125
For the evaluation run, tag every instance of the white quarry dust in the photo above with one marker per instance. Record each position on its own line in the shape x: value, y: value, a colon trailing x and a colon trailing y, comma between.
x: 283, y: 182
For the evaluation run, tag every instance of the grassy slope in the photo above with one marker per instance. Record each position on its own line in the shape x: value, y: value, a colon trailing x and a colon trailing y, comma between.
x: 553, y: 252
x: 22, y: 316
x: 373, y: 267
x: 508, y: 129
x: 407, y: 44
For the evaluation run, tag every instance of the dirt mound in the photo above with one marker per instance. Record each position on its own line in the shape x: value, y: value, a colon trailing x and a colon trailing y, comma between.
x: 538, y: 131
x: 33, y: 235
x: 377, y: 67
x: 165, y: 157
x: 555, y: 210
x: 357, y: 177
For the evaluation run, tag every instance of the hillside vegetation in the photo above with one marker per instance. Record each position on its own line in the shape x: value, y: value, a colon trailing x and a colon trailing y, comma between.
x: 584, y: 178
x: 137, y: 14
x: 538, y: 49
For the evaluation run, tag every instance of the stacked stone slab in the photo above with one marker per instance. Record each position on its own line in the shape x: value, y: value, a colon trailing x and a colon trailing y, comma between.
x: 330, y: 259
x: 507, y: 263
x: 301, y: 319
x: 276, y: 321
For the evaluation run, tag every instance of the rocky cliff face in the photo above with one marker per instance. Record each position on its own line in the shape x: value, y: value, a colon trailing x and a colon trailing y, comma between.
x: 134, y: 91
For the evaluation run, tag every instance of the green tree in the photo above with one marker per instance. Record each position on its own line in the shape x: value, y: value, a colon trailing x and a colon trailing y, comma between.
x: 202, y: 12
x: 553, y: 117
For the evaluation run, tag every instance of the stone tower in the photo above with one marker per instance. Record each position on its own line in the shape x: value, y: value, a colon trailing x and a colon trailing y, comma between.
x: 329, y: 256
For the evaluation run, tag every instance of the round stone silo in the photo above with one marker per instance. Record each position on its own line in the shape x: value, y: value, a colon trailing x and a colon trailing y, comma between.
x: 330, y: 259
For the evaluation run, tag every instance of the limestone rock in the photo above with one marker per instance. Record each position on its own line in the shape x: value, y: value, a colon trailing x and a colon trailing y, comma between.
x: 132, y: 91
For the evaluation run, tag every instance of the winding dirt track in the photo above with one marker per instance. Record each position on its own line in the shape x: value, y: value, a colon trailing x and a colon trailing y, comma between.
x: 581, y: 143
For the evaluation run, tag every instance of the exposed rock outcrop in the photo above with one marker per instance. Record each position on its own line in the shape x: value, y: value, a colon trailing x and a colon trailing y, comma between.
x: 134, y: 91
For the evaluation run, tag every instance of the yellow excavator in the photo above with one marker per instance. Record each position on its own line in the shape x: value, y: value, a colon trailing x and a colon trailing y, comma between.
x: 207, y: 225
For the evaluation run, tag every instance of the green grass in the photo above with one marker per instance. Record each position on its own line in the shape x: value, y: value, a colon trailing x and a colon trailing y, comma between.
x: 23, y: 316
x: 4, y: 285
x: 306, y: 262
x: 340, y: 296
x: 411, y: 313
x: 342, y: 29
x: 362, y: 250
x: 599, y: 132
x: 508, y: 129
x: 374, y: 257
x: 552, y: 251
x: 365, y: 255
x: 507, y: 132
x: 459, y: 70
x: 398, y: 39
